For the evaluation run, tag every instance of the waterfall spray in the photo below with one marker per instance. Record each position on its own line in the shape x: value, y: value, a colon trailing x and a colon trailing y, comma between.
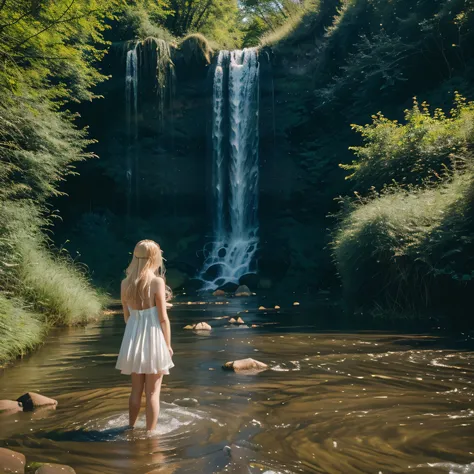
x: 235, y: 108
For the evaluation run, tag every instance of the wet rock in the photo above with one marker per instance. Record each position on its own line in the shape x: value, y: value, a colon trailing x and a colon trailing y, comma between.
x: 240, y: 320
x: 49, y: 468
x: 10, y: 407
x: 232, y: 321
x: 243, y: 291
x: 202, y: 327
x: 277, y: 307
x: 189, y: 326
x: 186, y: 402
x: 219, y: 293
x: 11, y: 461
x: 245, y: 365
x: 32, y: 400
x: 249, y: 279
x: 261, y: 308
x: 296, y: 303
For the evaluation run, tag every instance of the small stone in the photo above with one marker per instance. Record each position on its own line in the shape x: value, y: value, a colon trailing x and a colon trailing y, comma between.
x: 245, y: 365
x: 296, y: 303
x: 10, y: 407
x: 219, y: 293
x: 32, y: 400
x: 261, y: 308
x: 255, y: 326
x: 277, y: 307
x: 202, y: 327
x: 232, y: 321
x: 243, y: 290
x: 11, y: 461
x: 49, y: 468
x: 189, y: 326
x: 240, y: 320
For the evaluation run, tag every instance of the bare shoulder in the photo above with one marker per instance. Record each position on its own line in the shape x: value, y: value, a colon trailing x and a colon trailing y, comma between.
x: 158, y: 284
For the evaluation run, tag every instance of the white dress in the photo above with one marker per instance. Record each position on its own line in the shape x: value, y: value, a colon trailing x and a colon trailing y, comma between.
x: 144, y: 349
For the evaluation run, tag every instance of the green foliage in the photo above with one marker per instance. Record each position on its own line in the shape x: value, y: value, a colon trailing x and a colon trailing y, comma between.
x: 20, y: 330
x: 195, y: 49
x: 408, y: 246
x: 424, y: 147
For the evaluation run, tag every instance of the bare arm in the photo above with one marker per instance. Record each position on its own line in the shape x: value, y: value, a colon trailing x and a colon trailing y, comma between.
x: 160, y: 300
x: 126, y: 312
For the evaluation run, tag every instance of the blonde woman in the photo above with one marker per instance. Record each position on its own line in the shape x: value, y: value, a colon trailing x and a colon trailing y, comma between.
x: 146, y: 352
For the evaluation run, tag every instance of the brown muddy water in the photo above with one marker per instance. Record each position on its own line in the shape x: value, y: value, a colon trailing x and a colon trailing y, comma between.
x: 332, y: 401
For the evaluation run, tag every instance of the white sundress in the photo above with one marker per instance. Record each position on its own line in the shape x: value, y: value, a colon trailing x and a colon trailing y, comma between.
x: 144, y: 349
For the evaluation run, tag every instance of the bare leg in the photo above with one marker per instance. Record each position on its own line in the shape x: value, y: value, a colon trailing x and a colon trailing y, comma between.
x: 135, y: 400
x: 152, y: 390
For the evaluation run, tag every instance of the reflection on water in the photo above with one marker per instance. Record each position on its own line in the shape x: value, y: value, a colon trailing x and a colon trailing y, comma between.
x: 332, y: 402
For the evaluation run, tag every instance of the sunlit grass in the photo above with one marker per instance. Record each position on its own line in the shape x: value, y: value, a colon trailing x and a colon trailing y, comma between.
x: 20, y: 330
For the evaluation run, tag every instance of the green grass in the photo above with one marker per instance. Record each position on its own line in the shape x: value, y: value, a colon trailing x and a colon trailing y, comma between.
x: 20, y: 330
x: 57, y: 287
x: 402, y: 250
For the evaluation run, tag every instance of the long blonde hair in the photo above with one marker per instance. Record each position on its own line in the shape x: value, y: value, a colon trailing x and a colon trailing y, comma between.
x: 147, y: 263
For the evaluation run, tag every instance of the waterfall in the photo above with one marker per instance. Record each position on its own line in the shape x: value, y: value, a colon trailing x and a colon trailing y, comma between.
x: 235, y: 169
x: 148, y: 61
x: 131, y: 110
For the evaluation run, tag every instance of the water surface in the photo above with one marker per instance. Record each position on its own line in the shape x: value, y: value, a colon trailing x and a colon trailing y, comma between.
x: 332, y: 402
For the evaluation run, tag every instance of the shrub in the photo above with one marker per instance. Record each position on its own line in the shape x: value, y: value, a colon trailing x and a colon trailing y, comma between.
x: 422, y: 148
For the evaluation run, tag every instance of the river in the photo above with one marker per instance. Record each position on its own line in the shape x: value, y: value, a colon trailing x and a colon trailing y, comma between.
x: 332, y: 401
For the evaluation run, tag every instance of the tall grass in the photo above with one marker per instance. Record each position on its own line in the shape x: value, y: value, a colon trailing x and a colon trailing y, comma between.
x: 40, y: 287
x: 20, y: 330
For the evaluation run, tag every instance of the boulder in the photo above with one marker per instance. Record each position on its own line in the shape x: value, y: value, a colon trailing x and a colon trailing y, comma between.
x: 229, y: 287
x: 189, y: 326
x: 10, y: 407
x: 175, y: 278
x: 32, y: 400
x: 11, y: 461
x: 249, y: 279
x: 49, y: 468
x: 243, y: 291
x: 240, y: 320
x: 232, y: 321
x: 265, y: 283
x: 202, y: 327
x: 245, y: 365
x: 219, y: 293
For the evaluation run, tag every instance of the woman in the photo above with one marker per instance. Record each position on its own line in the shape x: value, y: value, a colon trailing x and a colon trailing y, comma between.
x: 146, y: 351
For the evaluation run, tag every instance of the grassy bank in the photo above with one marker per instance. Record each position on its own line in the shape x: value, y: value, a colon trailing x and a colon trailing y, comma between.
x: 40, y: 286
x: 406, y: 250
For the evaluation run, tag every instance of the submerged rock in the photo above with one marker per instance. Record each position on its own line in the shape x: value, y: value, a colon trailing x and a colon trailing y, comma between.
x: 10, y: 407
x: 202, y: 327
x: 32, y: 400
x: 186, y: 402
x: 219, y: 293
x: 243, y: 290
x: 240, y: 320
x: 232, y: 321
x: 55, y: 469
x: 11, y: 461
x: 245, y: 365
